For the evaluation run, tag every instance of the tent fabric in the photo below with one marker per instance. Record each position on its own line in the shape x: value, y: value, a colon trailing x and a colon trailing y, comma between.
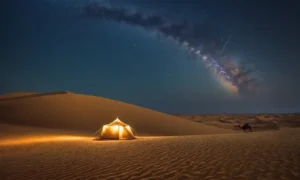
x: 116, y: 130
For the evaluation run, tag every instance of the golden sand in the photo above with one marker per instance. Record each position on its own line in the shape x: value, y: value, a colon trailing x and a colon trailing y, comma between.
x: 65, y: 149
x: 262, y: 155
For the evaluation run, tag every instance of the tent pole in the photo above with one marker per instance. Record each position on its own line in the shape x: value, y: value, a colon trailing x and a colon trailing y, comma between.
x: 97, y: 131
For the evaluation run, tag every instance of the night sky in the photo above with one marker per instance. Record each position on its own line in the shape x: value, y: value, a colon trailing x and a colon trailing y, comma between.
x: 48, y: 46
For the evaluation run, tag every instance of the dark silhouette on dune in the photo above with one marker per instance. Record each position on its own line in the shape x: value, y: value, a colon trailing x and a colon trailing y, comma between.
x: 245, y: 127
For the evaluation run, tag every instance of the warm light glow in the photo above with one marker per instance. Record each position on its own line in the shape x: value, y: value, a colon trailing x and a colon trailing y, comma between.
x: 121, y: 131
x: 115, y: 128
x: 128, y: 128
x: 39, y: 139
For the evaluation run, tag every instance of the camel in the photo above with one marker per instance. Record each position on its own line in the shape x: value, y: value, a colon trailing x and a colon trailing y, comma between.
x: 245, y: 127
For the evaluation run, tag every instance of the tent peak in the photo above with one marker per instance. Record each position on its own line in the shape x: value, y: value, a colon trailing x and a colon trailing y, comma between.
x: 117, y: 120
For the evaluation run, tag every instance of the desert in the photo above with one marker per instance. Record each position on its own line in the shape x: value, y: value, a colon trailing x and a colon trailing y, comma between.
x: 51, y: 136
x: 149, y: 90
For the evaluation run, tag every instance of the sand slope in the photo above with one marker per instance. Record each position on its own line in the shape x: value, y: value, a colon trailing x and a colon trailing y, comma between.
x: 81, y: 112
x: 263, y: 155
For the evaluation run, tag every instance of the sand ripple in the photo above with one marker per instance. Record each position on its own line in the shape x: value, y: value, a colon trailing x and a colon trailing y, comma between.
x: 263, y: 155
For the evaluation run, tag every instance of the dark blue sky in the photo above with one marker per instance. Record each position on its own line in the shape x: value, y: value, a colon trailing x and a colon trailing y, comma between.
x: 49, y: 47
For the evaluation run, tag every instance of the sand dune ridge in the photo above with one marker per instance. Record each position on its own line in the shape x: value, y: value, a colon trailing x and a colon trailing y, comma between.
x: 71, y: 111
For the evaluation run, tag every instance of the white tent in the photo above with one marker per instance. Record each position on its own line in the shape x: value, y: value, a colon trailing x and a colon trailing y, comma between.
x: 116, y: 130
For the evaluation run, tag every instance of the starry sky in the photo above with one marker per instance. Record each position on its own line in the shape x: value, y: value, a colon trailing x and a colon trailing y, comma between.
x: 48, y: 46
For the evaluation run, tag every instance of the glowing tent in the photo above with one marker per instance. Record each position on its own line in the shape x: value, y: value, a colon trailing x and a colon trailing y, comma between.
x: 116, y: 130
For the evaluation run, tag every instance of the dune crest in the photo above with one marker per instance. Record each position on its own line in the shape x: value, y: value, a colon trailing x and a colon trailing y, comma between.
x: 71, y: 111
x: 17, y: 94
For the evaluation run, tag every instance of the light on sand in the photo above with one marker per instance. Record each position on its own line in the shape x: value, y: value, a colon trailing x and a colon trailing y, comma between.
x: 39, y: 139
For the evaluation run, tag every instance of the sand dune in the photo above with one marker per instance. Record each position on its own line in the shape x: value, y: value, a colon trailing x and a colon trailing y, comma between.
x: 259, y: 122
x: 263, y: 155
x: 64, y: 148
x: 70, y: 111
x: 17, y: 94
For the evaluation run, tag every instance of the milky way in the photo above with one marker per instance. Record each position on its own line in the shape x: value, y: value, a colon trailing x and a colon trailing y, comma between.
x: 198, y: 39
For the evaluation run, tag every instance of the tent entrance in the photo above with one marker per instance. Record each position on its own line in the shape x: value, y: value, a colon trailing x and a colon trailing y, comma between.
x: 121, y: 131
